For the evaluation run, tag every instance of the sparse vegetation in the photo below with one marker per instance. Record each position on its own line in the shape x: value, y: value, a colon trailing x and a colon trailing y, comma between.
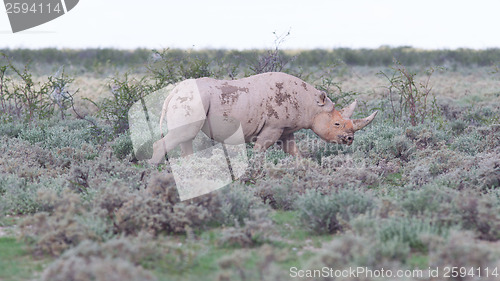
x: 410, y: 100
x: 419, y: 187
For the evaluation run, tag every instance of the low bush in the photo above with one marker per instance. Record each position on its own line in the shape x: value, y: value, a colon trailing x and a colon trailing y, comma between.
x: 11, y: 128
x: 256, y: 230
x: 329, y: 213
x: 122, y: 146
x: 279, y: 194
x: 24, y: 98
x: 477, y: 139
x: 382, y: 141
x: 471, y: 143
x: 236, y: 203
x: 427, y: 135
x: 453, y: 169
x: 461, y: 249
x: 143, y: 212
x: 407, y: 232
x: 30, y: 162
x: 432, y: 201
x: 56, y: 231
x: 20, y: 196
x: 434, y: 164
x: 355, y: 251
x: 115, y: 260
x: 73, y: 133
x: 410, y: 100
x: 480, y: 214
x: 158, y: 208
x: 17, y: 195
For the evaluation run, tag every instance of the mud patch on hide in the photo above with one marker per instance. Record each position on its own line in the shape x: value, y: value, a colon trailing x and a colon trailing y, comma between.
x: 271, y: 111
x: 184, y: 99
x: 281, y: 96
x: 230, y: 94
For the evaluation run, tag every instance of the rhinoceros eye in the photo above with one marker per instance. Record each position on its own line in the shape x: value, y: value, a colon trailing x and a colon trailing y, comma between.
x: 337, y: 124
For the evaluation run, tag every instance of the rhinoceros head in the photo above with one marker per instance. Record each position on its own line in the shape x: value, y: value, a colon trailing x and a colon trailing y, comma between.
x: 336, y: 126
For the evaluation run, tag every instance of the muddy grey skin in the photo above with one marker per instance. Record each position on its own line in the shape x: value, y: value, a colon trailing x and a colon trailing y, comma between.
x: 267, y: 108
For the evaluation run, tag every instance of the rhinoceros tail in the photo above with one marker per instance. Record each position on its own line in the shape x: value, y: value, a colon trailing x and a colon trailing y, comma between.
x: 163, y: 112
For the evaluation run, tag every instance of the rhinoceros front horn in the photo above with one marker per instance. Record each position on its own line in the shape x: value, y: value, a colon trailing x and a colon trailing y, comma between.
x: 359, y: 124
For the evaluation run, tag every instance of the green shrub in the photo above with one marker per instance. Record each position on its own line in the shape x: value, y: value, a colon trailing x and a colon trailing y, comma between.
x: 54, y: 232
x: 461, y: 249
x: 428, y: 201
x: 122, y: 146
x: 427, y: 135
x: 31, y: 162
x: 477, y: 139
x: 73, y: 133
x: 17, y: 195
x: 158, y: 208
x: 436, y: 164
x: 480, y: 213
x: 487, y: 115
x: 257, y: 229
x: 350, y: 250
x: 470, y: 144
x: 458, y: 126
x: 24, y: 98
x: 125, y: 92
x: 115, y: 260
x: 280, y: 195
x: 383, y: 141
x: 453, y: 169
x: 327, y: 213
x: 410, y: 101
x: 145, y: 213
x: 407, y: 231
x: 11, y: 129
x: 236, y: 203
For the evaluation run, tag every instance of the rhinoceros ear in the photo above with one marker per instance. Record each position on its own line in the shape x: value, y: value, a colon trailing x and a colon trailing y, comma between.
x: 320, y: 98
x: 358, y: 124
x: 347, y: 111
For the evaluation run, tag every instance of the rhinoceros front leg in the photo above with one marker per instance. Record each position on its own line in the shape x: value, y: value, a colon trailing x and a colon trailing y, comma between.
x: 267, y: 137
x: 289, y: 146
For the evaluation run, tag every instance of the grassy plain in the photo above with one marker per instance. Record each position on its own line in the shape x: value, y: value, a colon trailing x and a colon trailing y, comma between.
x: 75, y: 204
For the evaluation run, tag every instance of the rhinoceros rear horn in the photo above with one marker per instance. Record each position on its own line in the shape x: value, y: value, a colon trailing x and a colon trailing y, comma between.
x: 359, y: 124
x: 347, y: 111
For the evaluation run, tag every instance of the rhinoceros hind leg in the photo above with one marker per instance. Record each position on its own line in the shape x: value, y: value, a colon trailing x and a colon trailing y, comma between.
x: 187, y: 148
x: 182, y: 136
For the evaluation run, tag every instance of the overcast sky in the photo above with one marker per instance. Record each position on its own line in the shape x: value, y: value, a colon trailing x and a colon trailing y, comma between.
x: 234, y: 24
